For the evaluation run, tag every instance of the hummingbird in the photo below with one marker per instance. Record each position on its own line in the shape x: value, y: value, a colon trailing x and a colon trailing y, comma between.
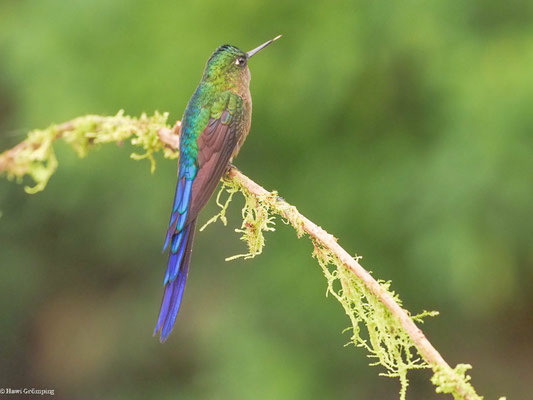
x: 214, y: 126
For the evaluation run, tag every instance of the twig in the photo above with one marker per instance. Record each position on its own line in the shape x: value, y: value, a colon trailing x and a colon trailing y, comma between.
x: 7, y: 158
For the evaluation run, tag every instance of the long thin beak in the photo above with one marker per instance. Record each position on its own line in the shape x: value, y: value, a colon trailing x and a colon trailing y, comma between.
x: 258, y: 49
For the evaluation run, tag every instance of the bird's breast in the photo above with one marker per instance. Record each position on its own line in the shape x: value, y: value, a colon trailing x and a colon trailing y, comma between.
x: 246, y: 121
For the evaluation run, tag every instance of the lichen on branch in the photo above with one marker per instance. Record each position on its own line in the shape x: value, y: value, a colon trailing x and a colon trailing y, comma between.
x: 379, y: 324
x: 35, y: 156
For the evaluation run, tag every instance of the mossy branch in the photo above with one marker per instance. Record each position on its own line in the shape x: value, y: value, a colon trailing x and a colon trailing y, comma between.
x: 392, y: 338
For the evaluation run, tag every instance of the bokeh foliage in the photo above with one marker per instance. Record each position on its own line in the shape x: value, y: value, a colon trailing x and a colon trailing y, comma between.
x: 403, y: 128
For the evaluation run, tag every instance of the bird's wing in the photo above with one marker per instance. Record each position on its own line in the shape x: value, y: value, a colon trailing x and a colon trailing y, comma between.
x: 216, y: 145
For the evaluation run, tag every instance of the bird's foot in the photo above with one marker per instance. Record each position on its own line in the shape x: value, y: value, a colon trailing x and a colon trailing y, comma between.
x: 229, y: 167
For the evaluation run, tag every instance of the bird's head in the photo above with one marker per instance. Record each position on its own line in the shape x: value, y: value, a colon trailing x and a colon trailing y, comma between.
x: 227, y: 68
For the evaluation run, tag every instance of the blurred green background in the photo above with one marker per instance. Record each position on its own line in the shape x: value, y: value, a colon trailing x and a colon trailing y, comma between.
x: 404, y: 128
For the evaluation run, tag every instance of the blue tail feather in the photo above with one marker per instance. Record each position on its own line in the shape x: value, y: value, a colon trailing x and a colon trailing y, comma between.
x: 180, y: 255
x: 181, y: 237
x: 175, y: 302
x: 179, y: 195
x: 176, y: 241
x: 176, y: 256
x: 164, y: 306
x: 181, y: 221
x: 175, y: 279
x: 167, y: 240
x: 172, y: 266
x: 178, y: 217
x: 184, y: 204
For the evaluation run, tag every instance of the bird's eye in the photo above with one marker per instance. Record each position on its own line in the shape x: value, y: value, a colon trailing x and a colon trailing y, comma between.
x: 240, y: 61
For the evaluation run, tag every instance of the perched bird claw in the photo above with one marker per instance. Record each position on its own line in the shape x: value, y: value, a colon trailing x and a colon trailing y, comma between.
x: 230, y: 167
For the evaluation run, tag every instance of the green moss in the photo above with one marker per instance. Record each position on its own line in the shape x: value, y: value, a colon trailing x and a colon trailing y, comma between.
x: 455, y: 382
x: 35, y: 156
x: 223, y: 206
x: 37, y: 160
x: 256, y: 219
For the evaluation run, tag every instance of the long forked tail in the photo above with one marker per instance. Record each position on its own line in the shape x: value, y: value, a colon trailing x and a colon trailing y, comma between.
x: 175, y: 278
